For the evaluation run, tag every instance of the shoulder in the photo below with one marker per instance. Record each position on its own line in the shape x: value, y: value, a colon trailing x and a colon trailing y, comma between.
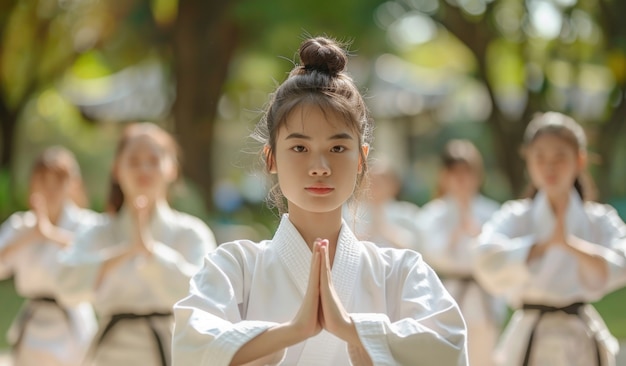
x: 599, y: 212
x: 94, y: 225
x: 406, y: 207
x: 598, y: 209
x: 438, y: 206
x: 487, y: 203
x: 516, y: 208
x: 20, y: 220
x: 86, y: 217
x: 191, y: 225
x: 241, y: 253
x: 391, y: 259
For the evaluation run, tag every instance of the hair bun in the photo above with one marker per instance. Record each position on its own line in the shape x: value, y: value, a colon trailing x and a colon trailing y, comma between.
x: 323, y: 55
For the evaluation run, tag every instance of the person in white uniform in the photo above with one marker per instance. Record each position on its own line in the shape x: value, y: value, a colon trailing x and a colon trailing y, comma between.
x: 137, y: 263
x: 449, y: 227
x: 44, y: 331
x: 552, y: 254
x: 314, y: 294
x: 379, y: 216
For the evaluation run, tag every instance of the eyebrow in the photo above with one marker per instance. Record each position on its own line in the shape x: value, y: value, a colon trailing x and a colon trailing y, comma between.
x: 339, y: 136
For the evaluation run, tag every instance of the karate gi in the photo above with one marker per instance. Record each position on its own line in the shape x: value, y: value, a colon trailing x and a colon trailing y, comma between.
x: 566, y: 337
x: 402, y: 313
x: 45, y: 332
x: 134, y: 301
x: 453, y: 262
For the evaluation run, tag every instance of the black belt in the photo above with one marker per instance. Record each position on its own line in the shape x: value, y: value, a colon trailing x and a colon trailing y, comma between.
x: 117, y: 318
x: 573, y: 309
x: 29, y: 312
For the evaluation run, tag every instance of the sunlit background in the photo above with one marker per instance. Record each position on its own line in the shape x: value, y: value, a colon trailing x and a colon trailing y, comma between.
x: 74, y: 72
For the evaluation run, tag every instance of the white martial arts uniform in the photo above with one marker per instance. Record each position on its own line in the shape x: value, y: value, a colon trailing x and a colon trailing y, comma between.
x: 402, y: 313
x: 138, y: 286
x: 47, y: 333
x: 399, y: 217
x: 554, y: 280
x: 453, y: 262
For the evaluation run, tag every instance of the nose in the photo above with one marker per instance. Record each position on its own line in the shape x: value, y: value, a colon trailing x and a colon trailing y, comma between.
x: 319, y: 167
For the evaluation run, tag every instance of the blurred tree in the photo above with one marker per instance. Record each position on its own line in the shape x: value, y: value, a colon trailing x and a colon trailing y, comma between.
x: 200, y: 40
x: 97, y: 53
x: 537, y: 55
x: 35, y: 48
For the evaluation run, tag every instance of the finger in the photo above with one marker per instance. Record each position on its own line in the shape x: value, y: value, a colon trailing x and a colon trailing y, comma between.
x: 314, y: 274
x: 140, y: 205
x: 325, y: 267
x: 325, y: 279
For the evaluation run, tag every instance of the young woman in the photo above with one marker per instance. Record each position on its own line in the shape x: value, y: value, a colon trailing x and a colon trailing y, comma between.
x: 138, y: 262
x: 449, y: 227
x: 379, y: 216
x: 314, y: 294
x: 46, y: 332
x: 553, y: 254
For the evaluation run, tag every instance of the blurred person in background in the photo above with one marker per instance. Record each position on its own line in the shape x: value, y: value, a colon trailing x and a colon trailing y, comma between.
x: 378, y: 216
x: 137, y: 263
x: 46, y: 332
x: 449, y: 227
x: 552, y: 254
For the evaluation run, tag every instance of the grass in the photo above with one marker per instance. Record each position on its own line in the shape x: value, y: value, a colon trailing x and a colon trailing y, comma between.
x: 10, y: 303
x: 611, y: 308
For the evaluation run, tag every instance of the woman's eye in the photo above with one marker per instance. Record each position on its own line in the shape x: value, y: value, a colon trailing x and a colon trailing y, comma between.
x: 299, y: 148
x: 338, y: 149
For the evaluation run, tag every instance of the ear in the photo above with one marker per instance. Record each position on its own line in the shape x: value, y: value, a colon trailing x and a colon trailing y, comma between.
x: 270, y: 161
x: 366, y: 149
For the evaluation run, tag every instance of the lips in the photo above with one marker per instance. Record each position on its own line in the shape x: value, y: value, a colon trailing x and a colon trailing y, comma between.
x: 319, y: 190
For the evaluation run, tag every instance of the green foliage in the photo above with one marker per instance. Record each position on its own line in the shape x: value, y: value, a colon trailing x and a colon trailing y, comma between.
x: 10, y: 303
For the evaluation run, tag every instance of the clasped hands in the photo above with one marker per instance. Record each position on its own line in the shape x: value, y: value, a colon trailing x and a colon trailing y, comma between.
x: 321, y: 307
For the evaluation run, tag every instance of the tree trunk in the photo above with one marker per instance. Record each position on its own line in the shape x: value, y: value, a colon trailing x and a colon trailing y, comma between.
x: 507, y: 133
x: 8, y: 122
x: 610, y: 133
x: 205, y: 39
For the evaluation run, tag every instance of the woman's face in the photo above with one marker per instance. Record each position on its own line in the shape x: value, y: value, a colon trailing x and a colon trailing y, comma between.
x: 553, y: 164
x: 461, y: 181
x: 317, y: 160
x: 145, y: 168
x: 53, y: 187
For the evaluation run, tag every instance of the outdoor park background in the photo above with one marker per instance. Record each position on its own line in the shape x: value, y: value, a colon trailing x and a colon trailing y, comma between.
x: 73, y: 72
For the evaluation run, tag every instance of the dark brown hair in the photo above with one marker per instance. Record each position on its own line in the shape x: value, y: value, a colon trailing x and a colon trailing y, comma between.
x: 320, y: 81
x: 565, y: 127
x: 61, y: 162
x: 131, y: 132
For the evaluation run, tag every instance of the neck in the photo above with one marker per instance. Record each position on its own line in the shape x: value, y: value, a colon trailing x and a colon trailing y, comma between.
x: 312, y: 225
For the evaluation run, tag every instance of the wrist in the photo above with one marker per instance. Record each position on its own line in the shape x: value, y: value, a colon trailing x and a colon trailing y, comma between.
x: 349, y: 333
x: 298, y: 332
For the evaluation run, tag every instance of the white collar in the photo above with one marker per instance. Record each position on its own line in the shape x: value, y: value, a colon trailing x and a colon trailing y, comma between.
x: 296, y: 256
